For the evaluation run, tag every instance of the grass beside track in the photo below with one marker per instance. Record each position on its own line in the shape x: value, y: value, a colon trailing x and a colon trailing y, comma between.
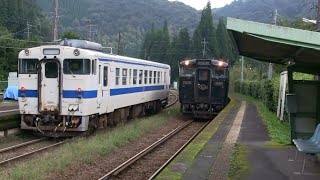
x: 239, y: 163
x: 87, y: 150
x: 279, y: 131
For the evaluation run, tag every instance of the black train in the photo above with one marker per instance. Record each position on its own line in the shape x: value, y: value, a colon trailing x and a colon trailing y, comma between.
x: 203, y: 87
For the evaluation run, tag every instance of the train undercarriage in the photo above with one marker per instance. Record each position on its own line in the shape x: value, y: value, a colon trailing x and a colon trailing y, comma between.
x: 53, y: 125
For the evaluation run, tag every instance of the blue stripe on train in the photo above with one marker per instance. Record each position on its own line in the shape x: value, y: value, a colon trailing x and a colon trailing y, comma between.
x: 94, y: 93
x: 28, y: 93
x: 84, y: 94
x: 120, y: 91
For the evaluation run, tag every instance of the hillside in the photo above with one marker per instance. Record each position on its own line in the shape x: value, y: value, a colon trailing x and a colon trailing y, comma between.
x: 262, y: 10
x: 131, y: 18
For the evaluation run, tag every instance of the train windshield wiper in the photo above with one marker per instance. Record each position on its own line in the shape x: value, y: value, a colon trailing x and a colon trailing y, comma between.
x: 215, y: 75
x: 68, y: 66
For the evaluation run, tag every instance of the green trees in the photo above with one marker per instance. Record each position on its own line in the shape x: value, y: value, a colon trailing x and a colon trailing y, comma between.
x: 205, y: 32
x: 15, y: 15
x: 158, y: 47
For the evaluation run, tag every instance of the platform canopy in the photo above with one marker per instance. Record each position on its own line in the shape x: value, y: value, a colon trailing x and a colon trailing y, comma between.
x: 276, y: 44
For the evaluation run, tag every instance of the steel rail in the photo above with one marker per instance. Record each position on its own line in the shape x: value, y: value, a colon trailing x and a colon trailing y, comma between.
x: 21, y: 145
x: 178, y: 152
x: 174, y: 94
x: 136, y: 157
x: 2, y: 163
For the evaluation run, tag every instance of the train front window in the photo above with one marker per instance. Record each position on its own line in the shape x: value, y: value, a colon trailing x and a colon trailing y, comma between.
x: 28, y: 66
x: 219, y: 73
x: 76, y: 66
x: 184, y: 71
x: 204, y: 75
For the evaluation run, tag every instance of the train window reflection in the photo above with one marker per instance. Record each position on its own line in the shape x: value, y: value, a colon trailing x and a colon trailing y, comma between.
x: 219, y: 72
x: 51, y: 70
x: 187, y: 71
x: 76, y: 66
x: 28, y: 66
x: 203, y: 75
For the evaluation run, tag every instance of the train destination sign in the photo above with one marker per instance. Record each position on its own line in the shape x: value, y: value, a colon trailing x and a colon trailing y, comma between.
x: 204, y: 63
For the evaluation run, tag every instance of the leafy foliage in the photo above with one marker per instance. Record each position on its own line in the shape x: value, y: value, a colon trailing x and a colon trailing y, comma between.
x: 131, y: 18
x: 262, y: 10
x: 14, y: 16
x: 158, y: 47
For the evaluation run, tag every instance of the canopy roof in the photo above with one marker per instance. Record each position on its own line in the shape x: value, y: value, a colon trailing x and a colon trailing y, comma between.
x: 276, y: 44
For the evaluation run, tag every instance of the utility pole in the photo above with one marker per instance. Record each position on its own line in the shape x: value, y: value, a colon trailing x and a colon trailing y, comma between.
x: 242, y: 61
x: 204, y: 42
x: 28, y: 30
x: 275, y: 16
x: 145, y: 54
x: 275, y: 20
x: 119, y: 40
x: 55, y: 20
x: 318, y: 16
x: 90, y: 25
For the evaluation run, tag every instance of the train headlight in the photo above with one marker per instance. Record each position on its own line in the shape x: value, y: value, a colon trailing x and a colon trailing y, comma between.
x: 76, y: 52
x: 27, y: 52
x: 187, y: 63
x: 220, y: 63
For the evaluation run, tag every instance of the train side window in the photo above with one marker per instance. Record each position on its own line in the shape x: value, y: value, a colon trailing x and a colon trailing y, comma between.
x: 117, y: 76
x: 28, y: 66
x: 145, y: 76
x: 158, y: 77
x: 124, y: 76
x: 93, y: 66
x: 154, y: 77
x: 140, y: 76
x: 150, y: 77
x: 161, y: 77
x: 99, y: 74
x: 165, y: 77
x: 135, y: 75
x: 130, y: 76
x: 105, y: 76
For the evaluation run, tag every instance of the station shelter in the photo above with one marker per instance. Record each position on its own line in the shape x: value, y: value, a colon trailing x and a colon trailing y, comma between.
x: 299, y: 51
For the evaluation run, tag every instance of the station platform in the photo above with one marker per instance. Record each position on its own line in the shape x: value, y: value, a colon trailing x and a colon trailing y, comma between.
x: 210, y: 153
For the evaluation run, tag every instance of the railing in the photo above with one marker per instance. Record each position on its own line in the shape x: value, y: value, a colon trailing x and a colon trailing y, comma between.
x: 3, y: 86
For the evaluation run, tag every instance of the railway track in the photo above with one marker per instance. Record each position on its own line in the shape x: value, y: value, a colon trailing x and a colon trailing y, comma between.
x: 155, y: 157
x: 17, y: 152
x: 176, y: 97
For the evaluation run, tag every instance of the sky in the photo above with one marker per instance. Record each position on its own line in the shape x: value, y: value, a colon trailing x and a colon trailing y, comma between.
x: 200, y: 4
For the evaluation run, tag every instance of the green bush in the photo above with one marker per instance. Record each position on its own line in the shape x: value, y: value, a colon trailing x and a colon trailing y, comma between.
x: 263, y: 90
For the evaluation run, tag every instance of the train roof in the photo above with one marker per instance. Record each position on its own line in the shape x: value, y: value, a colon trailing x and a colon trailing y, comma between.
x: 198, y: 62
x: 95, y: 50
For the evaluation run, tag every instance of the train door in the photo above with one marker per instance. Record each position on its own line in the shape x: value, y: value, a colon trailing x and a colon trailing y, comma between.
x: 49, y: 86
x: 104, y: 87
x: 202, y: 85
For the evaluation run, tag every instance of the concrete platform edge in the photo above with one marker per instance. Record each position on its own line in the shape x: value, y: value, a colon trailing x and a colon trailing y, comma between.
x: 194, y: 148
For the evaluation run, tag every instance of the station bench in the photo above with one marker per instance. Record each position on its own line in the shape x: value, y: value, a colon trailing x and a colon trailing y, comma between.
x: 309, y: 146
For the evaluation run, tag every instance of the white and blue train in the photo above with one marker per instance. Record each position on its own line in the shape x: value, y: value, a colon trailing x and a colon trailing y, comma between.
x: 75, y: 87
